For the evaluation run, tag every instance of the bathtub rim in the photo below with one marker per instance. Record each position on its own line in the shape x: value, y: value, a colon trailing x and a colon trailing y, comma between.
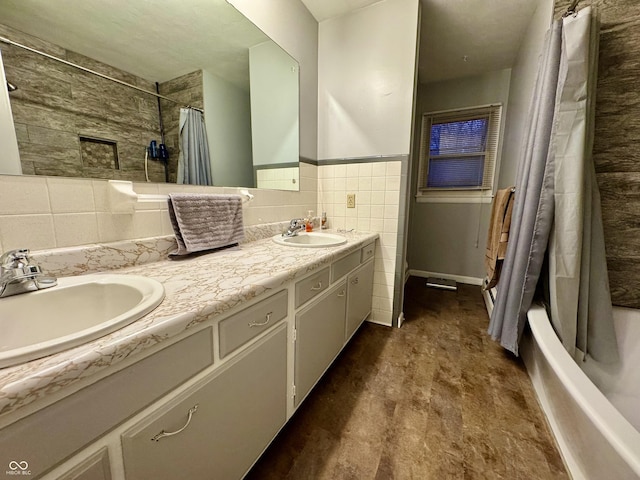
x: 616, y: 429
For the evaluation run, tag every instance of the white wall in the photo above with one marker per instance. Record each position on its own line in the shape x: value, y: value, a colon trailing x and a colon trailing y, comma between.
x: 274, y: 105
x: 443, y: 236
x: 523, y: 77
x: 9, y: 158
x: 366, y: 76
x: 228, y: 122
x: 449, y: 239
x: 365, y: 84
x: 290, y: 25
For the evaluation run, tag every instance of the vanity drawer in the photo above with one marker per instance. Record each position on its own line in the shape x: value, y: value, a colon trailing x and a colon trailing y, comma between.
x: 311, y: 286
x: 250, y: 322
x: 368, y: 251
x: 59, y: 430
x: 343, y: 266
x: 219, y: 426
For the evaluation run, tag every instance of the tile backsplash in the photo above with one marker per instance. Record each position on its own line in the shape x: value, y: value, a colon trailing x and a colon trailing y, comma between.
x: 51, y: 212
x: 376, y: 186
x: 42, y: 213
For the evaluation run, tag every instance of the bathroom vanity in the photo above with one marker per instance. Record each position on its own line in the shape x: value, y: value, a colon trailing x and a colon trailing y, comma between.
x: 199, y: 387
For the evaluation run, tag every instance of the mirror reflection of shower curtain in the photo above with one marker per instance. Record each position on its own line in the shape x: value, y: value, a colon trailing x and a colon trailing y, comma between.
x: 194, y: 165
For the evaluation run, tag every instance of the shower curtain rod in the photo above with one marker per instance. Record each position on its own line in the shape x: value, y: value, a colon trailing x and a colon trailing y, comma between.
x: 88, y: 70
x: 572, y: 8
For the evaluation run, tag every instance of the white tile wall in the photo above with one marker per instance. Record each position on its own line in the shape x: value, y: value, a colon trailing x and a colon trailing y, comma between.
x: 377, y: 189
x: 279, y: 178
x: 49, y: 212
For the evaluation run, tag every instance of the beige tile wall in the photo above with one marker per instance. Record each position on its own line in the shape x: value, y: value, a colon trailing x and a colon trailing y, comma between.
x: 377, y: 189
x: 280, y: 178
x: 52, y: 212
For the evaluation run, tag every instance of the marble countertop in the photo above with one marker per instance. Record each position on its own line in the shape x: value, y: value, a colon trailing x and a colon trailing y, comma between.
x: 197, y: 289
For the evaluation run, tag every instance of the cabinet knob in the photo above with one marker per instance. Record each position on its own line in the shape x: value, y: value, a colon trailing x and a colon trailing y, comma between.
x: 316, y: 287
x: 163, y: 434
x: 261, y: 324
x: 355, y: 281
x: 341, y: 294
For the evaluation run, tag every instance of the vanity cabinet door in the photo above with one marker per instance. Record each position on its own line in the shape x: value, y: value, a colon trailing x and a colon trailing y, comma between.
x: 360, y: 294
x: 319, y: 338
x: 224, y: 422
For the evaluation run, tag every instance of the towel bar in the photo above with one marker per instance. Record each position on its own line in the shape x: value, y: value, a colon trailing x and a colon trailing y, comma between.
x: 122, y: 198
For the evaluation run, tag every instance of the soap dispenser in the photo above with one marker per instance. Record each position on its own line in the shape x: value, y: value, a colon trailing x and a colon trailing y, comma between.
x: 309, y: 221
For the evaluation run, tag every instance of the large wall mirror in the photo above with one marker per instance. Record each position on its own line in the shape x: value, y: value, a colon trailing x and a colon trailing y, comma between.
x: 194, y: 55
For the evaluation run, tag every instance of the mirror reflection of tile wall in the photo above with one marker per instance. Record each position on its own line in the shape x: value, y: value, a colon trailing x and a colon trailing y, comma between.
x: 615, y: 151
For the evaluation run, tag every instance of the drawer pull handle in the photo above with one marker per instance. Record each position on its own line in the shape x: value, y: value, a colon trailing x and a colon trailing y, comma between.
x: 261, y: 324
x: 163, y: 434
x: 341, y: 294
x: 369, y: 252
x: 355, y: 281
x: 316, y: 287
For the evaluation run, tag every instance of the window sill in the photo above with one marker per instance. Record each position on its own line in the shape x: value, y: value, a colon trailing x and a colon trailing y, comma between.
x: 459, y: 196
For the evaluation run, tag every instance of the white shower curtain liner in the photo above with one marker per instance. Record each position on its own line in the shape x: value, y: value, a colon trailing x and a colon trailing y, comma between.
x: 558, y: 205
x: 578, y: 282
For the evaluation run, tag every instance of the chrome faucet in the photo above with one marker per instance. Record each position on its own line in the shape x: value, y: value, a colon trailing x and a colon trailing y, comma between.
x: 19, y: 275
x: 295, y: 226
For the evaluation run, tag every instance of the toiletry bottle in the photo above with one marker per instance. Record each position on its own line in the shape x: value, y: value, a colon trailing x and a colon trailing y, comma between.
x: 324, y: 221
x: 309, y: 222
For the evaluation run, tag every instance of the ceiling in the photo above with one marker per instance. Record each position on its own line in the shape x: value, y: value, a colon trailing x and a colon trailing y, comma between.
x: 157, y: 40
x: 459, y: 38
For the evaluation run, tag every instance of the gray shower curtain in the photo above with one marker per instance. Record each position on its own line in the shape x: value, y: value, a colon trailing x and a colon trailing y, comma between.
x: 558, y: 204
x: 533, y: 209
x: 194, y: 165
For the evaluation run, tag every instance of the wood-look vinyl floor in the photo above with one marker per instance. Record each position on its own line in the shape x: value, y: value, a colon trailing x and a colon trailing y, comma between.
x: 435, y: 399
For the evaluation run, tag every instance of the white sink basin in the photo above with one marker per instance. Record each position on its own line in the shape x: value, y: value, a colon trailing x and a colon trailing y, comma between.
x: 311, y: 240
x: 77, y: 310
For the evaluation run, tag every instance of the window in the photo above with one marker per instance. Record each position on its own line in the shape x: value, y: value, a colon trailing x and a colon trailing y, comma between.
x: 458, y: 150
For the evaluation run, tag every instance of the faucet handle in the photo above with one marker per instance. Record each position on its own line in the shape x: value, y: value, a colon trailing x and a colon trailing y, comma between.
x: 15, y: 259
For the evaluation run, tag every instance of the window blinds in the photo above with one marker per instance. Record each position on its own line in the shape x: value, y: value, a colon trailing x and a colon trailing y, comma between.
x: 459, y: 149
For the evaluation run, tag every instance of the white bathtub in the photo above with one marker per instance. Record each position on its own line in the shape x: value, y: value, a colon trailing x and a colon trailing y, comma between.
x: 595, y: 439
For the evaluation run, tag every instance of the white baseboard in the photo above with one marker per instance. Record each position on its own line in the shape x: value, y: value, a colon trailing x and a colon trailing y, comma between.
x: 447, y: 276
x: 378, y: 322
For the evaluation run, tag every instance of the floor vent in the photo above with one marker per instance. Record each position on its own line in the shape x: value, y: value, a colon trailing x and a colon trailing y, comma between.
x: 442, y: 283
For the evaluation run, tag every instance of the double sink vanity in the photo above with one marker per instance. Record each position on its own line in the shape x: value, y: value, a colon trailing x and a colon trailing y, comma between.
x: 197, y: 386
